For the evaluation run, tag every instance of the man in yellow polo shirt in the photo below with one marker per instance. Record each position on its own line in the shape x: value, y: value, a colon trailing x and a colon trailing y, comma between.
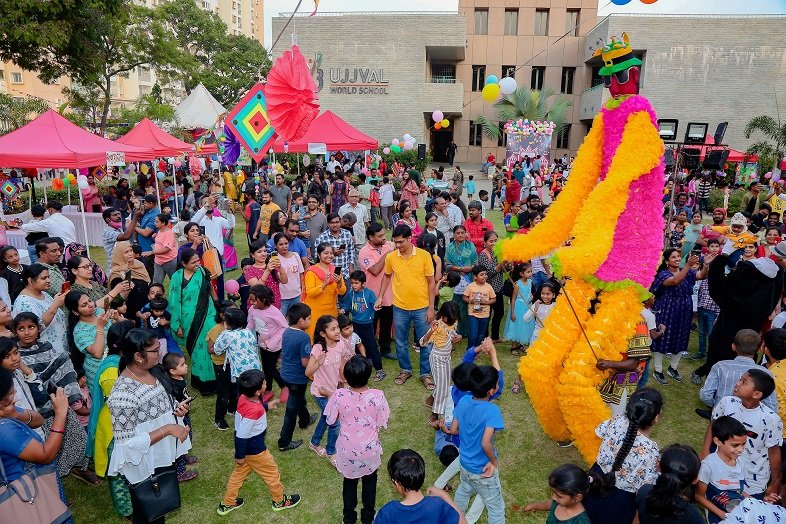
x: 412, y: 271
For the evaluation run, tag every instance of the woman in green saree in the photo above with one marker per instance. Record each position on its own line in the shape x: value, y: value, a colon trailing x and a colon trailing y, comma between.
x: 191, y: 305
x: 461, y: 256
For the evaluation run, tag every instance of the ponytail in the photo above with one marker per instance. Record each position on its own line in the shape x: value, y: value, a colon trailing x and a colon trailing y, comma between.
x: 679, y: 469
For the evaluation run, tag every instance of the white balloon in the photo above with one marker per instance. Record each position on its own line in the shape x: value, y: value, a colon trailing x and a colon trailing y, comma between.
x: 81, y: 181
x: 409, y: 144
x: 170, y: 160
x: 306, y: 160
x: 215, y: 164
x: 508, y: 85
x: 407, y: 137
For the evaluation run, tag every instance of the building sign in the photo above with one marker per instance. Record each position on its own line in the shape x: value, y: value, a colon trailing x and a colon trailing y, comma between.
x: 354, y: 81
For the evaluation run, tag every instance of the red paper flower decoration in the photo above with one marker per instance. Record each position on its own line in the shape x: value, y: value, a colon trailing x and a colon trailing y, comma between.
x: 291, y: 93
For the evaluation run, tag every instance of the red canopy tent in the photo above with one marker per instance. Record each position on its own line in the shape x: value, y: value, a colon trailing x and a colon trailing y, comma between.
x: 734, y: 155
x: 329, y: 129
x: 53, y: 141
x: 147, y: 134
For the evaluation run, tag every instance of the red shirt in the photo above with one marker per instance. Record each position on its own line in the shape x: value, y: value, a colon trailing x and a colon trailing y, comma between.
x: 477, y: 230
x: 513, y: 191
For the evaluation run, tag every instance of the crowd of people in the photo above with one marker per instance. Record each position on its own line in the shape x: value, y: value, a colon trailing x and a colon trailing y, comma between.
x: 100, y: 364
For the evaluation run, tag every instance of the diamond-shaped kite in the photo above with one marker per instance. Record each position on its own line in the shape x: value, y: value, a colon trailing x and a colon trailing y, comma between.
x: 9, y: 189
x: 99, y: 172
x: 250, y: 123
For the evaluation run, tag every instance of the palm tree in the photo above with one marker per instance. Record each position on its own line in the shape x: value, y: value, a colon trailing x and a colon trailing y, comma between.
x: 530, y: 104
x: 770, y: 150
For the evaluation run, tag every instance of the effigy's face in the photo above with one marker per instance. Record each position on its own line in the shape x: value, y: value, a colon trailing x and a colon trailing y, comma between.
x: 623, y: 83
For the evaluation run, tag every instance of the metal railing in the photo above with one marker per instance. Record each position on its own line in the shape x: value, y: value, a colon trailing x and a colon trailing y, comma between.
x: 442, y: 80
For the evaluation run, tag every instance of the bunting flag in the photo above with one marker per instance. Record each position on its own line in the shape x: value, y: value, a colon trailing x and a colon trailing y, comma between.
x: 249, y: 122
x: 9, y: 189
x: 316, y: 5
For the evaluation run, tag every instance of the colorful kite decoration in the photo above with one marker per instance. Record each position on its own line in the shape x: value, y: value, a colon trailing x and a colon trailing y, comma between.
x: 291, y: 95
x: 250, y: 123
x: 9, y: 189
x: 99, y: 172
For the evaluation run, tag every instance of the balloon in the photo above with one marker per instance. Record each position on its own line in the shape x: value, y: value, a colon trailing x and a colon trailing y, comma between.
x: 490, y: 92
x: 407, y: 137
x: 84, y: 171
x: 386, y: 150
x: 508, y: 85
x: 409, y: 144
x: 437, y: 115
x: 231, y: 286
x: 648, y: 1
x: 71, y: 178
x: 445, y: 122
x: 306, y: 160
x: 394, y: 142
x: 395, y: 149
x: 438, y: 125
x: 170, y: 160
x: 66, y: 182
x: 178, y: 163
x: 143, y: 168
x: 768, y: 175
x: 161, y: 165
x: 620, y: 2
x: 82, y: 182
x: 491, y: 79
x: 131, y: 167
x: 215, y: 164
x: 57, y: 184
x: 160, y: 175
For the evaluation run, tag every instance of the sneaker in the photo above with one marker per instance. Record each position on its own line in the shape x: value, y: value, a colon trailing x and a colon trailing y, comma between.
x: 704, y: 413
x: 660, y: 378
x: 187, y: 475
x: 221, y: 425
x: 564, y: 443
x: 673, y: 373
x: 416, y: 348
x: 696, y: 379
x: 224, y: 509
x: 380, y: 375
x: 294, y: 444
x: 288, y: 502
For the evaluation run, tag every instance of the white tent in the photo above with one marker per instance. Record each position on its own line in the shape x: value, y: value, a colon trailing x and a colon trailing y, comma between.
x: 199, y: 109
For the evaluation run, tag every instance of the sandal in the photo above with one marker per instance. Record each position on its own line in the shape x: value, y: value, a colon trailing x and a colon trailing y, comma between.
x: 86, y: 476
x: 333, y: 460
x: 319, y: 450
x: 515, y: 351
x: 402, y: 378
x: 516, y: 387
x: 427, y: 381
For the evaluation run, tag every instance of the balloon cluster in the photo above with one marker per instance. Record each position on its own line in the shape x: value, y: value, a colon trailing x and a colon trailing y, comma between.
x: 623, y: 2
x: 439, y: 120
x: 528, y: 127
x: 495, y: 88
x: 405, y: 144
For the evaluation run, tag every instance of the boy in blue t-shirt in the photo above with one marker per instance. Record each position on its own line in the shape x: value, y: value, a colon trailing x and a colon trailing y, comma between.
x: 475, y: 420
x: 295, y: 352
x: 359, y: 302
x: 469, y: 186
x: 407, y: 472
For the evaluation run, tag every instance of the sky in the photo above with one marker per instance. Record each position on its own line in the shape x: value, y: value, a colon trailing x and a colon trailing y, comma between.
x: 274, y: 7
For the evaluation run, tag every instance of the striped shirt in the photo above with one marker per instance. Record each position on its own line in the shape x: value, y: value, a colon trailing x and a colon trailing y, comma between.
x: 724, y: 375
x: 705, y: 300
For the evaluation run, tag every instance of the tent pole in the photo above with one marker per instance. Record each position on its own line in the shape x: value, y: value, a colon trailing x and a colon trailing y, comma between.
x: 155, y: 179
x: 174, y: 181
x: 84, y: 218
x: 298, y: 165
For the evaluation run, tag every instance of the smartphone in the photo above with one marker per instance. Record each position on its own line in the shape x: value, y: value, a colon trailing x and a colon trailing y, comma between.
x: 106, y: 303
x: 66, y: 287
x: 51, y: 389
x: 128, y: 276
x: 188, y: 400
x: 337, y: 270
x: 202, y: 230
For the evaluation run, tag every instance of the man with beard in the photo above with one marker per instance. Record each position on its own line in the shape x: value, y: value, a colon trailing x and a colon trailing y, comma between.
x: 372, y: 262
x: 713, y: 230
x: 316, y: 222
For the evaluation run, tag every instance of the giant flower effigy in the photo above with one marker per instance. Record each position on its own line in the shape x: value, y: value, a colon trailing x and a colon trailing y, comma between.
x: 610, y: 212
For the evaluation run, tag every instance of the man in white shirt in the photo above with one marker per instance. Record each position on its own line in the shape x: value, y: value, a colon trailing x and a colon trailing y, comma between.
x: 363, y: 218
x: 332, y: 164
x: 454, y: 211
x: 386, y: 202
x: 445, y: 221
x: 55, y: 225
x: 213, y: 224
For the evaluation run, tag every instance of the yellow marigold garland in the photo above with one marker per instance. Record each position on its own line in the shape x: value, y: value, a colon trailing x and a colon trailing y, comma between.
x: 609, y: 331
x: 557, y: 226
x: 638, y: 153
x: 541, y: 367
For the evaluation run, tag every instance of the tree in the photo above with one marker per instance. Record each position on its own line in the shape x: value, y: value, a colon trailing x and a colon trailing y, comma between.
x: 16, y: 112
x: 770, y: 150
x: 146, y: 107
x: 530, y: 104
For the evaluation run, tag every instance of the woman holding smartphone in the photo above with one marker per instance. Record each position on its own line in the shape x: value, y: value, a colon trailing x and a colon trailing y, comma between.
x: 125, y: 267
x: 34, y: 299
x: 323, y: 285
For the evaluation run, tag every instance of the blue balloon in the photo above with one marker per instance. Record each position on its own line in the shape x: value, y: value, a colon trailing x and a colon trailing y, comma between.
x: 160, y: 175
x: 620, y: 2
x: 492, y: 79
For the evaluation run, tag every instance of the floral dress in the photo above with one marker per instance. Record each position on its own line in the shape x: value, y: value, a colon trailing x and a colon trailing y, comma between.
x: 361, y: 414
x: 84, y: 336
x: 339, y: 197
x: 56, y: 332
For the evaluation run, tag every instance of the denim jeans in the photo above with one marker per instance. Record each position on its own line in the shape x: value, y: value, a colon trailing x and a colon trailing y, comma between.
x: 706, y: 321
x: 32, y: 254
x: 286, y: 303
x: 490, y: 491
x: 296, y: 409
x: 477, y: 330
x: 403, y: 320
x: 538, y: 279
x: 322, y: 425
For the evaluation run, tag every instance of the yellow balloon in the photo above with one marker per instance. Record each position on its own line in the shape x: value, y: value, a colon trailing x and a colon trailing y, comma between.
x: 490, y: 92
x: 445, y: 122
x: 144, y: 169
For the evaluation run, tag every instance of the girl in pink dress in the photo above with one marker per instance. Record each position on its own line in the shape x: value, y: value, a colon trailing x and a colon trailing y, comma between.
x: 362, y: 412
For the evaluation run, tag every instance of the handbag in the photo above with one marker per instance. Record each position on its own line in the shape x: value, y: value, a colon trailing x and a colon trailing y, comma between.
x: 157, y: 495
x: 33, y: 498
x: 210, y: 259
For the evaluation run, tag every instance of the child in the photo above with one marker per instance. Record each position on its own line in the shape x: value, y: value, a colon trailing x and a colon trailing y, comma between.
x: 155, y: 290
x: 269, y: 324
x: 359, y: 301
x: 668, y: 501
x: 765, y: 430
x: 244, y: 290
x: 251, y: 453
x: 407, y: 472
x: 175, y: 369
x: 483, y: 196
x: 159, y: 321
x: 120, y: 305
x: 361, y: 413
x: 541, y: 308
x: 295, y: 354
x: 569, y: 483
x: 83, y: 410
x: 469, y: 186
x: 517, y: 329
x: 479, y: 295
x: 475, y: 421
x: 226, y: 395
x: 775, y: 350
x: 349, y: 336
x: 328, y: 356
x: 442, y: 334
x: 447, y: 286
x: 722, y: 475
x: 707, y: 310
x: 299, y: 211
x: 677, y: 236
x: 239, y: 344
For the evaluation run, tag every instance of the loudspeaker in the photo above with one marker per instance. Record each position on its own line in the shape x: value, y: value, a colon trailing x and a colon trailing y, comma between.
x: 421, y: 151
x: 690, y: 158
x: 719, y: 132
x: 715, y: 159
x: 668, y: 158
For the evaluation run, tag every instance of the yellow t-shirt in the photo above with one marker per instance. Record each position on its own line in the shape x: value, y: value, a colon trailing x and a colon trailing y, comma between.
x: 475, y: 291
x: 212, y: 336
x: 265, y: 212
x: 410, y: 291
x: 778, y: 371
x: 777, y: 205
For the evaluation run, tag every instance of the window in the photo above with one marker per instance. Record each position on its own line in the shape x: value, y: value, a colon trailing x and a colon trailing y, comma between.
x: 478, y: 77
x: 536, y: 81
x: 502, y: 138
x: 16, y: 77
x: 563, y: 137
x: 508, y: 70
x: 566, y: 86
x: 572, y: 22
x: 541, y: 22
x: 475, y: 133
x: 481, y: 21
x: 596, y: 78
x: 144, y: 74
x: 511, y: 22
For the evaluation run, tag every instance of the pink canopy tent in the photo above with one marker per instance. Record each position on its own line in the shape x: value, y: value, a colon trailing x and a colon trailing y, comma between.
x: 329, y: 129
x: 147, y: 134
x: 53, y: 141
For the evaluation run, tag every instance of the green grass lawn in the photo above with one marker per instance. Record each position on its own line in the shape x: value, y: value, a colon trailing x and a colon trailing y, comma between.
x: 526, y: 455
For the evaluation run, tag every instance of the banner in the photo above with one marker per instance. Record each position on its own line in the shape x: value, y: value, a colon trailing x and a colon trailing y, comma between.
x: 317, y: 149
x: 245, y: 158
x: 531, y: 146
x: 115, y: 159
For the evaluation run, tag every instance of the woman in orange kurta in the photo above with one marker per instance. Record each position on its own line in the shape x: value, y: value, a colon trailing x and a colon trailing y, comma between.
x: 323, y: 286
